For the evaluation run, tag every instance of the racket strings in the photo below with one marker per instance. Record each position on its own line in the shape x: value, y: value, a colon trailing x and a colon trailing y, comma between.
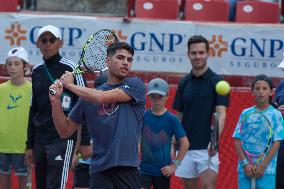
x: 96, y: 52
x: 256, y: 135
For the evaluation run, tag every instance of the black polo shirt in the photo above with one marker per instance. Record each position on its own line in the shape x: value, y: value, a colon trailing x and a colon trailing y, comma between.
x: 196, y: 98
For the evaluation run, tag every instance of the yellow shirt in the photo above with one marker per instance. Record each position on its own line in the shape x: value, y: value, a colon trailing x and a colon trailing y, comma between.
x: 14, y: 113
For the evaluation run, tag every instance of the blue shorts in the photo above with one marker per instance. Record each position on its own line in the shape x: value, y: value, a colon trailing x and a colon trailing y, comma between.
x: 15, y: 161
x: 267, y: 181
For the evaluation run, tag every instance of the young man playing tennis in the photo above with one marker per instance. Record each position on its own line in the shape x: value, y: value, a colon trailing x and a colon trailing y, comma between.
x: 265, y: 170
x: 15, y: 97
x: 159, y: 127
x: 50, y: 153
x: 196, y: 100
x: 114, y: 115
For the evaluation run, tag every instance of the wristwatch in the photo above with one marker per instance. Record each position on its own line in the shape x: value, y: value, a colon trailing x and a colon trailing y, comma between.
x: 176, y: 162
x: 244, y: 162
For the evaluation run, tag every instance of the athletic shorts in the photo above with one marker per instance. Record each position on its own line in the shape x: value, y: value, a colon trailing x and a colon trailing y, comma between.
x: 155, y: 182
x: 195, y: 162
x: 265, y: 182
x: 120, y: 177
x: 15, y: 161
x: 81, y: 175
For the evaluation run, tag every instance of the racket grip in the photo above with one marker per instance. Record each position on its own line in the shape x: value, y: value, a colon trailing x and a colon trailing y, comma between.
x: 52, y: 92
x: 253, y: 183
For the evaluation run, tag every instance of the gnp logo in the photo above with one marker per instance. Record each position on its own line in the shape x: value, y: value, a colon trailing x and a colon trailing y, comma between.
x: 15, y: 34
x: 217, y: 46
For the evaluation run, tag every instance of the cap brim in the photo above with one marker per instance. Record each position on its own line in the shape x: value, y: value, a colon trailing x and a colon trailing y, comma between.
x: 163, y: 93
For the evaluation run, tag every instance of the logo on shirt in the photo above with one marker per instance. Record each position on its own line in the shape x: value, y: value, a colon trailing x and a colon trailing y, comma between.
x: 58, y: 158
x: 108, y: 109
x: 9, y: 107
x: 14, y: 100
x: 126, y: 86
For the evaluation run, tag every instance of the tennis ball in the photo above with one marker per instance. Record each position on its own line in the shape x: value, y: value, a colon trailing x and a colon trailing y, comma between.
x: 223, y: 88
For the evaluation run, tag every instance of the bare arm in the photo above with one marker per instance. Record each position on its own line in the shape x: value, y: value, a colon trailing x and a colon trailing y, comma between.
x: 221, y: 110
x: 64, y: 126
x: 170, y: 169
x: 184, y: 145
x: 248, y: 169
x: 93, y: 95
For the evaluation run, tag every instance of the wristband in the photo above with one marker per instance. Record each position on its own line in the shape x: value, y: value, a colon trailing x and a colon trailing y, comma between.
x: 244, y: 162
x: 176, y: 163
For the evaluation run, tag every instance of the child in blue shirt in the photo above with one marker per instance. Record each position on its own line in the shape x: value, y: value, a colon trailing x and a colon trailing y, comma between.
x: 265, y: 171
x: 158, y: 129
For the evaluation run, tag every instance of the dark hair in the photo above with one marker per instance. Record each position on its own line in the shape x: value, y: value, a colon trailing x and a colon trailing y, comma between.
x: 262, y: 77
x: 111, y: 50
x: 198, y: 39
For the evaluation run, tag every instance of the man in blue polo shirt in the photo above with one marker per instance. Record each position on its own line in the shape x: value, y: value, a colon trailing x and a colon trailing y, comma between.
x: 196, y: 100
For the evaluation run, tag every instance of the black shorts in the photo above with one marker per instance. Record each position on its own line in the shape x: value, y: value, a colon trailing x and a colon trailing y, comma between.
x: 81, y: 175
x: 158, y: 182
x: 116, y: 178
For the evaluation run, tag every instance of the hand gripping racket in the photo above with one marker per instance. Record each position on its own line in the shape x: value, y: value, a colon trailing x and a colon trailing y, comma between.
x: 214, y: 135
x: 256, y: 138
x: 94, y: 53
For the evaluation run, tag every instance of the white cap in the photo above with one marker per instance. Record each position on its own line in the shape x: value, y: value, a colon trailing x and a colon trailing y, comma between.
x: 19, y: 52
x: 49, y: 28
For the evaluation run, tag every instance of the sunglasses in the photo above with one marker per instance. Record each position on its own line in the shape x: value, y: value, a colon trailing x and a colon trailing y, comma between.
x: 50, y: 40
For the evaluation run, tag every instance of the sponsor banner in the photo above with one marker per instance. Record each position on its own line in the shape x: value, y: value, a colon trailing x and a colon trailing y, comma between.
x: 160, y: 46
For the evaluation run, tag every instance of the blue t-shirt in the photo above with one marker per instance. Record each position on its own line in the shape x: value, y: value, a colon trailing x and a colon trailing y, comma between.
x: 156, y: 140
x: 115, y: 128
x: 275, y: 118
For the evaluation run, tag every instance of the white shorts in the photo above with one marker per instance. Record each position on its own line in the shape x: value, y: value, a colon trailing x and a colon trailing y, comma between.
x: 195, y: 162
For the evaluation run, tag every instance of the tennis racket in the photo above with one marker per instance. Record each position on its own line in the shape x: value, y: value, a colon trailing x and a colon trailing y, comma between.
x: 214, y: 135
x: 94, y: 53
x: 256, y: 138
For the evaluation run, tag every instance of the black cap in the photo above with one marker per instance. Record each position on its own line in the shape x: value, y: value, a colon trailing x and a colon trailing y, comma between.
x: 263, y: 77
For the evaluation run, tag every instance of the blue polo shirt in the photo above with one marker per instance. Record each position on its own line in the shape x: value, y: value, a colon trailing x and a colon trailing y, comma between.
x: 196, y: 98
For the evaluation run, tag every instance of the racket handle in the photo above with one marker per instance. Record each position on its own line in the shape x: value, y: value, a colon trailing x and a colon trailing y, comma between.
x: 52, y: 92
x: 253, y: 183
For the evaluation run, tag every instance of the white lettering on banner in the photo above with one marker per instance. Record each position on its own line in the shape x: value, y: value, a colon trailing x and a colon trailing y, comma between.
x: 234, y: 49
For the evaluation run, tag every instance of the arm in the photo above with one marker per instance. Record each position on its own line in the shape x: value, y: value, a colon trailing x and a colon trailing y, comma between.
x: 75, y: 157
x: 170, y: 169
x: 93, y: 95
x: 262, y: 166
x: 221, y: 110
x: 139, y: 151
x: 64, y: 126
x: 184, y: 145
x: 30, y: 131
x: 98, y: 96
x: 85, y: 148
x: 248, y: 169
x: 29, y: 158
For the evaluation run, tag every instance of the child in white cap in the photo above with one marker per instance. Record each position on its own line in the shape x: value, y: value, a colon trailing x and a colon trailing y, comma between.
x: 14, y: 112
